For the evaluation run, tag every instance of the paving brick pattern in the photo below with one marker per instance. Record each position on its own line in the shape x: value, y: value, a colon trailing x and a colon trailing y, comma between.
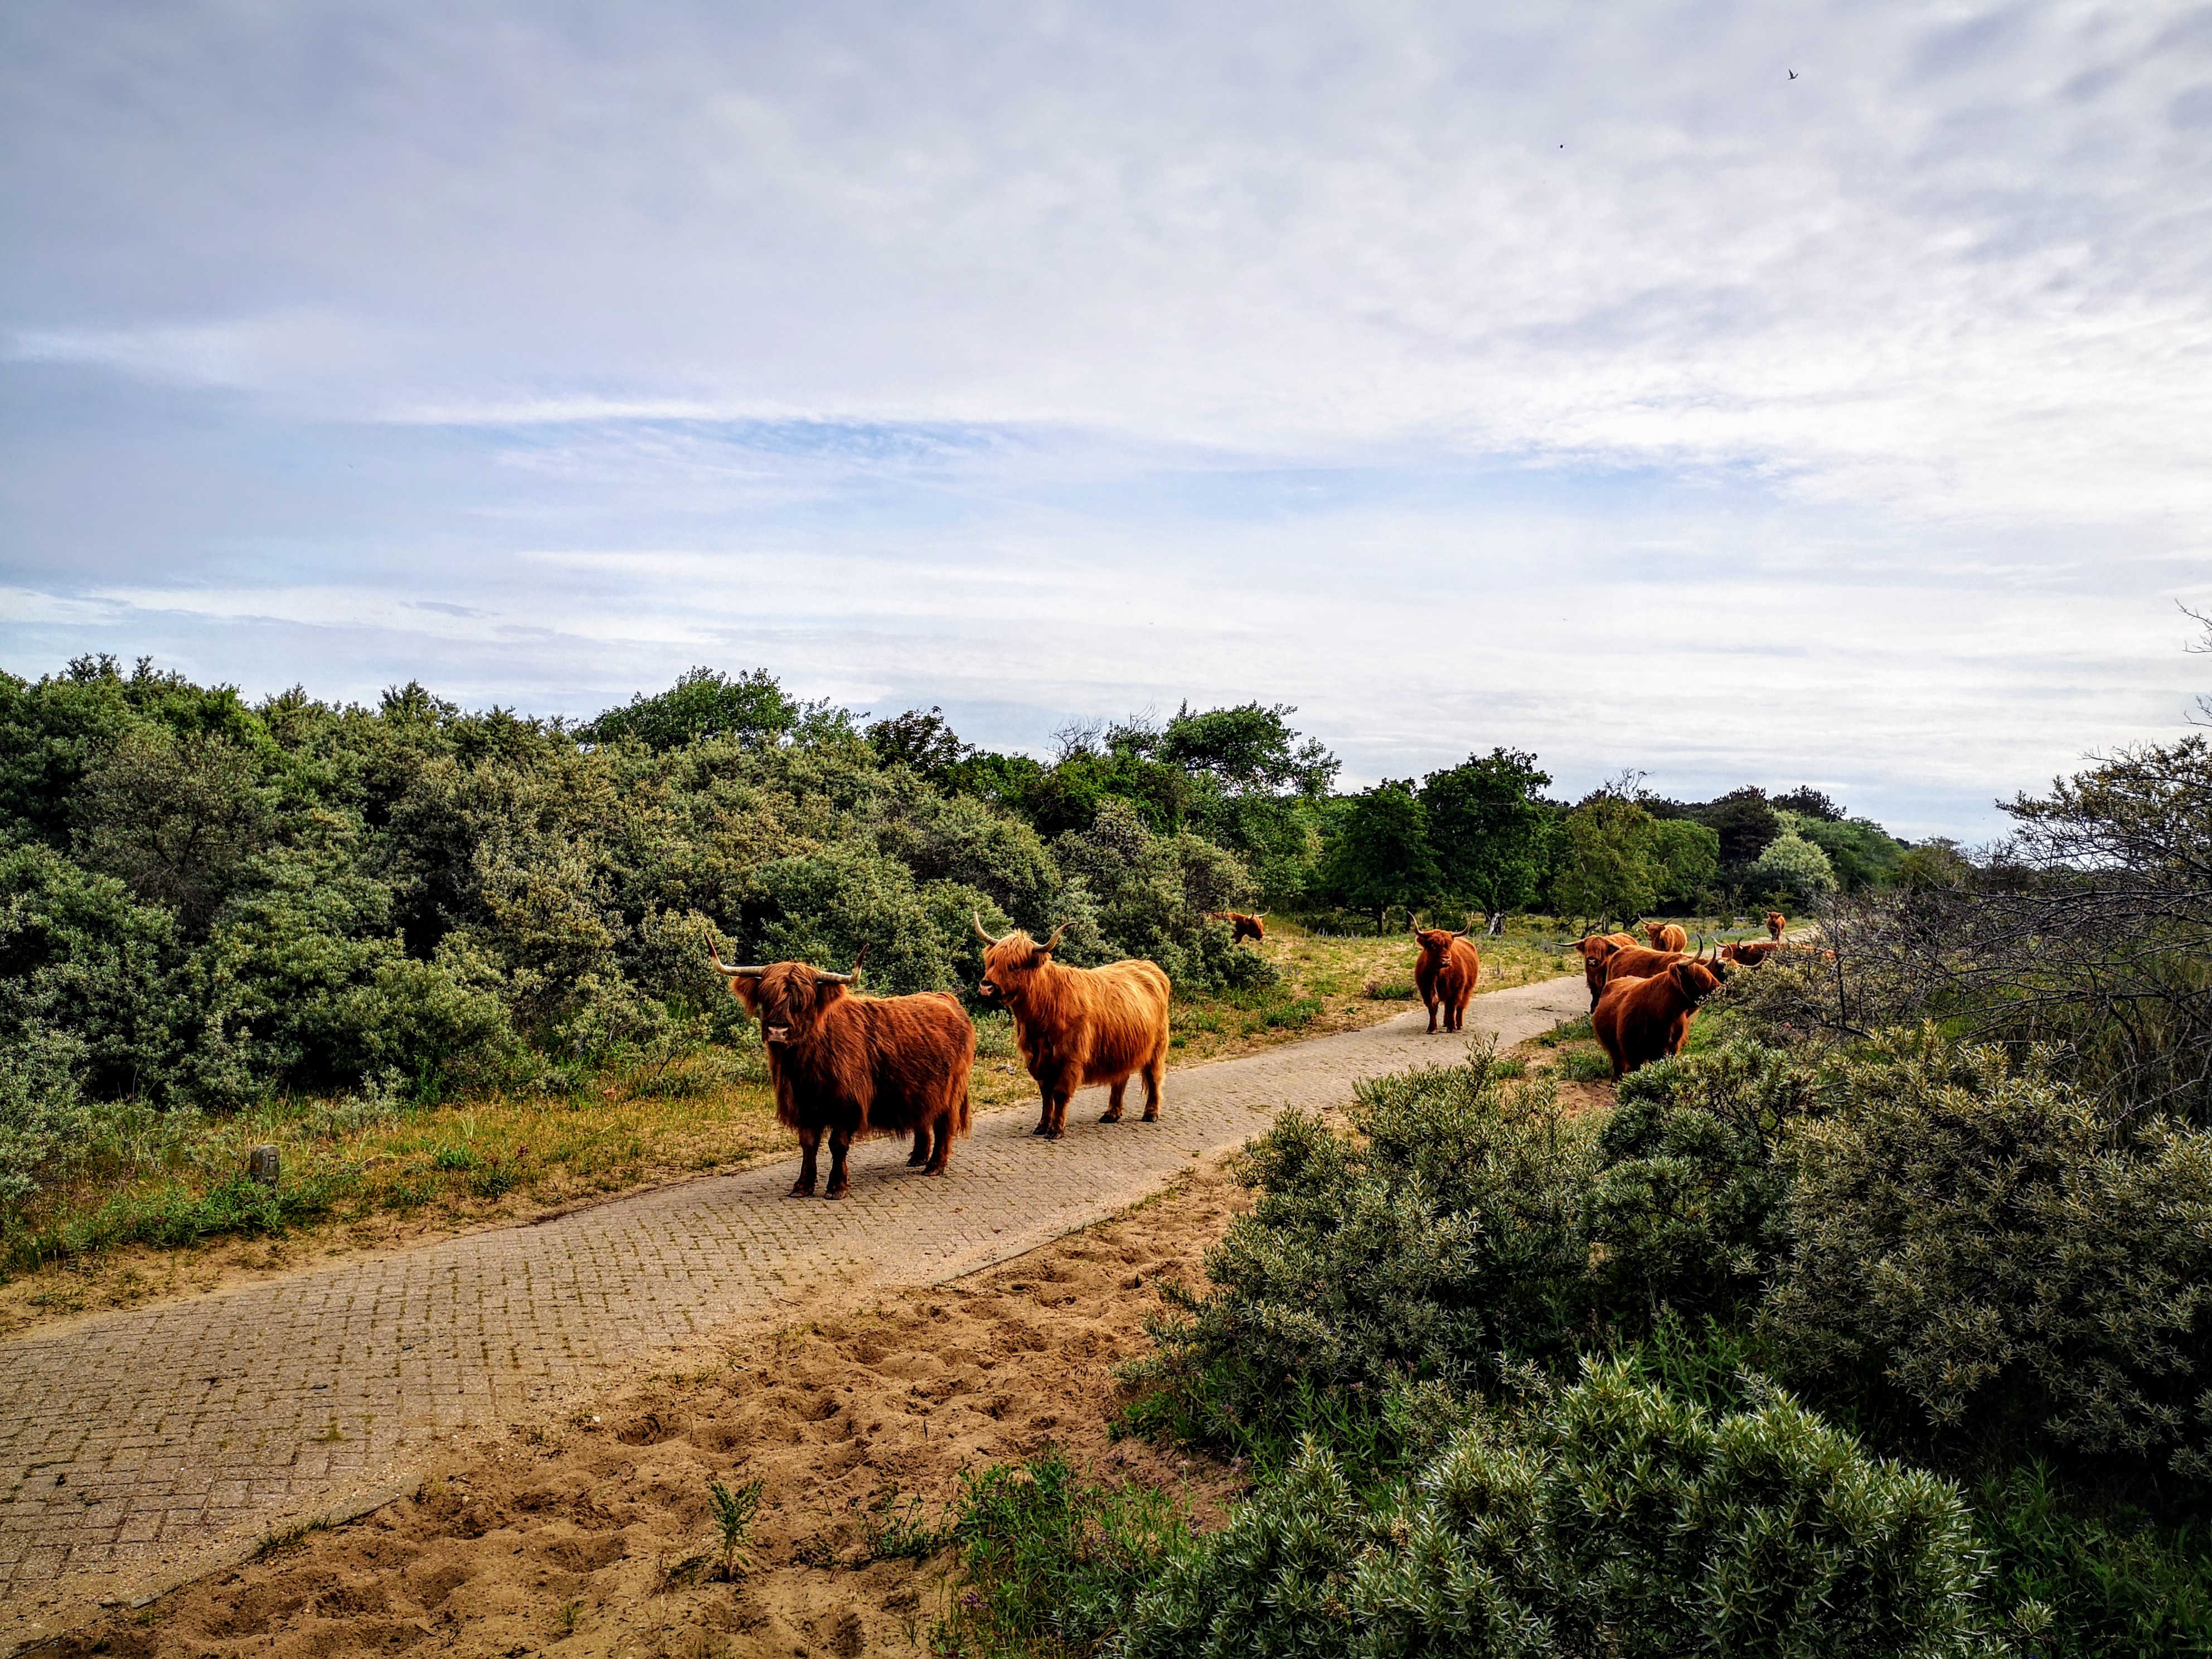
x: 133, y: 1442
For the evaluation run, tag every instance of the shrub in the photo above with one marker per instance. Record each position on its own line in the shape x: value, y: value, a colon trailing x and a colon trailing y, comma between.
x: 41, y: 1115
x: 1971, y: 1240
x: 1606, y: 1518
x: 1053, y: 1561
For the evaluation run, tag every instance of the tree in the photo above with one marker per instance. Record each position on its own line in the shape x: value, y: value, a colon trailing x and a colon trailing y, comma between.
x: 1381, y: 858
x: 1811, y: 802
x: 1247, y: 751
x: 702, y: 704
x: 1794, y: 865
x: 1608, y: 869
x: 1745, y: 821
x: 1490, y: 828
x: 1688, y: 856
x: 925, y: 742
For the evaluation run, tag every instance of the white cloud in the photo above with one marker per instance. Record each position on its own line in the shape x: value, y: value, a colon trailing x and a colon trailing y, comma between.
x: 1834, y: 417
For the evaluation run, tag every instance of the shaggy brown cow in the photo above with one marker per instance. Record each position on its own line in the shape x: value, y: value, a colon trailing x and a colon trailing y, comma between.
x: 1750, y: 953
x: 1242, y: 927
x: 1445, y: 972
x: 1775, y: 924
x: 859, y: 1065
x: 1666, y: 936
x: 1641, y: 1019
x: 1078, y: 1025
x: 1614, y: 956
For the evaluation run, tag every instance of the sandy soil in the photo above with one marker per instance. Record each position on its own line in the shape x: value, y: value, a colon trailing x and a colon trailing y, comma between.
x: 593, y: 1537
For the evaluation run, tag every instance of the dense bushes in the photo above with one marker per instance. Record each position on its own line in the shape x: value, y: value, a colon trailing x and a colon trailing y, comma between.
x: 1604, y: 1518
x: 1479, y: 1225
x: 1972, y: 1236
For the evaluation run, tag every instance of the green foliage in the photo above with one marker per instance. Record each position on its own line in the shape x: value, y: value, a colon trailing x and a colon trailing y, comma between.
x: 1793, y: 867
x: 733, y: 1511
x: 1489, y: 829
x: 750, y: 708
x: 1744, y: 821
x: 1605, y: 1518
x: 1975, y: 1246
x: 1687, y: 857
x: 2115, y: 1583
x: 1609, y: 866
x: 42, y: 1117
x: 1051, y: 1561
x: 1860, y: 852
x: 1381, y: 858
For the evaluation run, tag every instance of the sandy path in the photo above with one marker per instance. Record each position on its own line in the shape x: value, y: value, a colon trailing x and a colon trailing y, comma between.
x: 138, y: 1446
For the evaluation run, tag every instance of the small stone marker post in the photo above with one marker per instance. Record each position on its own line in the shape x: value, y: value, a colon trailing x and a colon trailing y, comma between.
x: 261, y: 1164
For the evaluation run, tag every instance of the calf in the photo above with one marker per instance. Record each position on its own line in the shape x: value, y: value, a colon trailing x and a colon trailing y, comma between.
x: 851, y: 1066
x: 1666, y: 936
x: 1078, y: 1025
x: 1775, y: 924
x: 1641, y: 1019
x: 1445, y: 973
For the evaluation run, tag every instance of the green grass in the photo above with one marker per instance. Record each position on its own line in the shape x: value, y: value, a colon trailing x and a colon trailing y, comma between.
x: 1050, y: 1562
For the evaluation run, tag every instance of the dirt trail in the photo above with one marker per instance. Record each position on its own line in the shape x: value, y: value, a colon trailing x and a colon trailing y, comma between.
x: 139, y: 1447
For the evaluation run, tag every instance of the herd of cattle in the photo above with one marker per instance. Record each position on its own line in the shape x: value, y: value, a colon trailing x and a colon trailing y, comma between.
x: 848, y: 1067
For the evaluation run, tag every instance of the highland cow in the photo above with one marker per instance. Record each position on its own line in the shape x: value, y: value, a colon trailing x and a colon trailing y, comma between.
x: 853, y: 1066
x: 1079, y: 1025
x: 1641, y: 1019
x: 1445, y: 973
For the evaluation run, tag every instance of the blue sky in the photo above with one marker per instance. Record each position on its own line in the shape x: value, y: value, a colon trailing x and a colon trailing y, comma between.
x: 1567, y: 378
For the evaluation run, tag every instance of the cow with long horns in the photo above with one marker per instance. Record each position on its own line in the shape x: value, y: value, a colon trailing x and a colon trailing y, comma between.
x: 1078, y: 1025
x: 850, y: 1067
x: 1445, y: 973
x: 1616, y: 956
x: 1641, y: 1019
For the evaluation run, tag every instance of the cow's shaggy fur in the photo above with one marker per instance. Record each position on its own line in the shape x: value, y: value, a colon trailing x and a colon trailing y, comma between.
x: 1775, y: 924
x: 1666, y: 936
x: 1445, y: 973
x: 1616, y: 956
x: 853, y: 1065
x: 1641, y: 1019
x: 1242, y: 927
x: 1080, y: 1026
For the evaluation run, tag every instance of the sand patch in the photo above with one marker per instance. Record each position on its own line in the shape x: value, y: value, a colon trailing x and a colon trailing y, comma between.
x: 593, y: 1536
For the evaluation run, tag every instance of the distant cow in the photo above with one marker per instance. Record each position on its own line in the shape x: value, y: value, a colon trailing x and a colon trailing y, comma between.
x: 1242, y: 927
x: 1775, y: 924
x: 1666, y: 936
x: 1751, y: 953
x: 1078, y: 1025
x: 1445, y: 972
x: 1616, y: 956
x: 1639, y: 1020
x: 855, y: 1066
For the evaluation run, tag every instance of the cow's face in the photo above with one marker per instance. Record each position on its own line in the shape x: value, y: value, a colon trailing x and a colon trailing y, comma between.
x: 1436, y: 943
x: 1009, y: 965
x: 791, y: 998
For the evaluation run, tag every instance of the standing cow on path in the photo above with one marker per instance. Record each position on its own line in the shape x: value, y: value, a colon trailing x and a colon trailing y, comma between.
x: 855, y: 1066
x: 1776, y: 923
x: 1078, y: 1025
x: 1445, y: 972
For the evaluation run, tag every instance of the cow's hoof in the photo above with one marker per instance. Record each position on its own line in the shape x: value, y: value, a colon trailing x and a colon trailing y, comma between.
x: 835, y: 1191
x: 1041, y: 1129
x: 1151, y: 1117
x: 1110, y: 1117
x: 1054, y: 1134
x: 800, y: 1190
x: 938, y: 1170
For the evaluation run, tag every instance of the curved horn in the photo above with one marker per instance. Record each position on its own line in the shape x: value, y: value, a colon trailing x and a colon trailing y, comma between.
x: 728, y: 972
x: 1056, y: 932
x: 823, y: 976
x: 978, y: 917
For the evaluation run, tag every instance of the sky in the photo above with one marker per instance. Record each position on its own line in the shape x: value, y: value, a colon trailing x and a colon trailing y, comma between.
x: 1781, y: 392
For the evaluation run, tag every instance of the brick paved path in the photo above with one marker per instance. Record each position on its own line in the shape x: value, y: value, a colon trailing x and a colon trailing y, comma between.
x: 133, y: 1443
